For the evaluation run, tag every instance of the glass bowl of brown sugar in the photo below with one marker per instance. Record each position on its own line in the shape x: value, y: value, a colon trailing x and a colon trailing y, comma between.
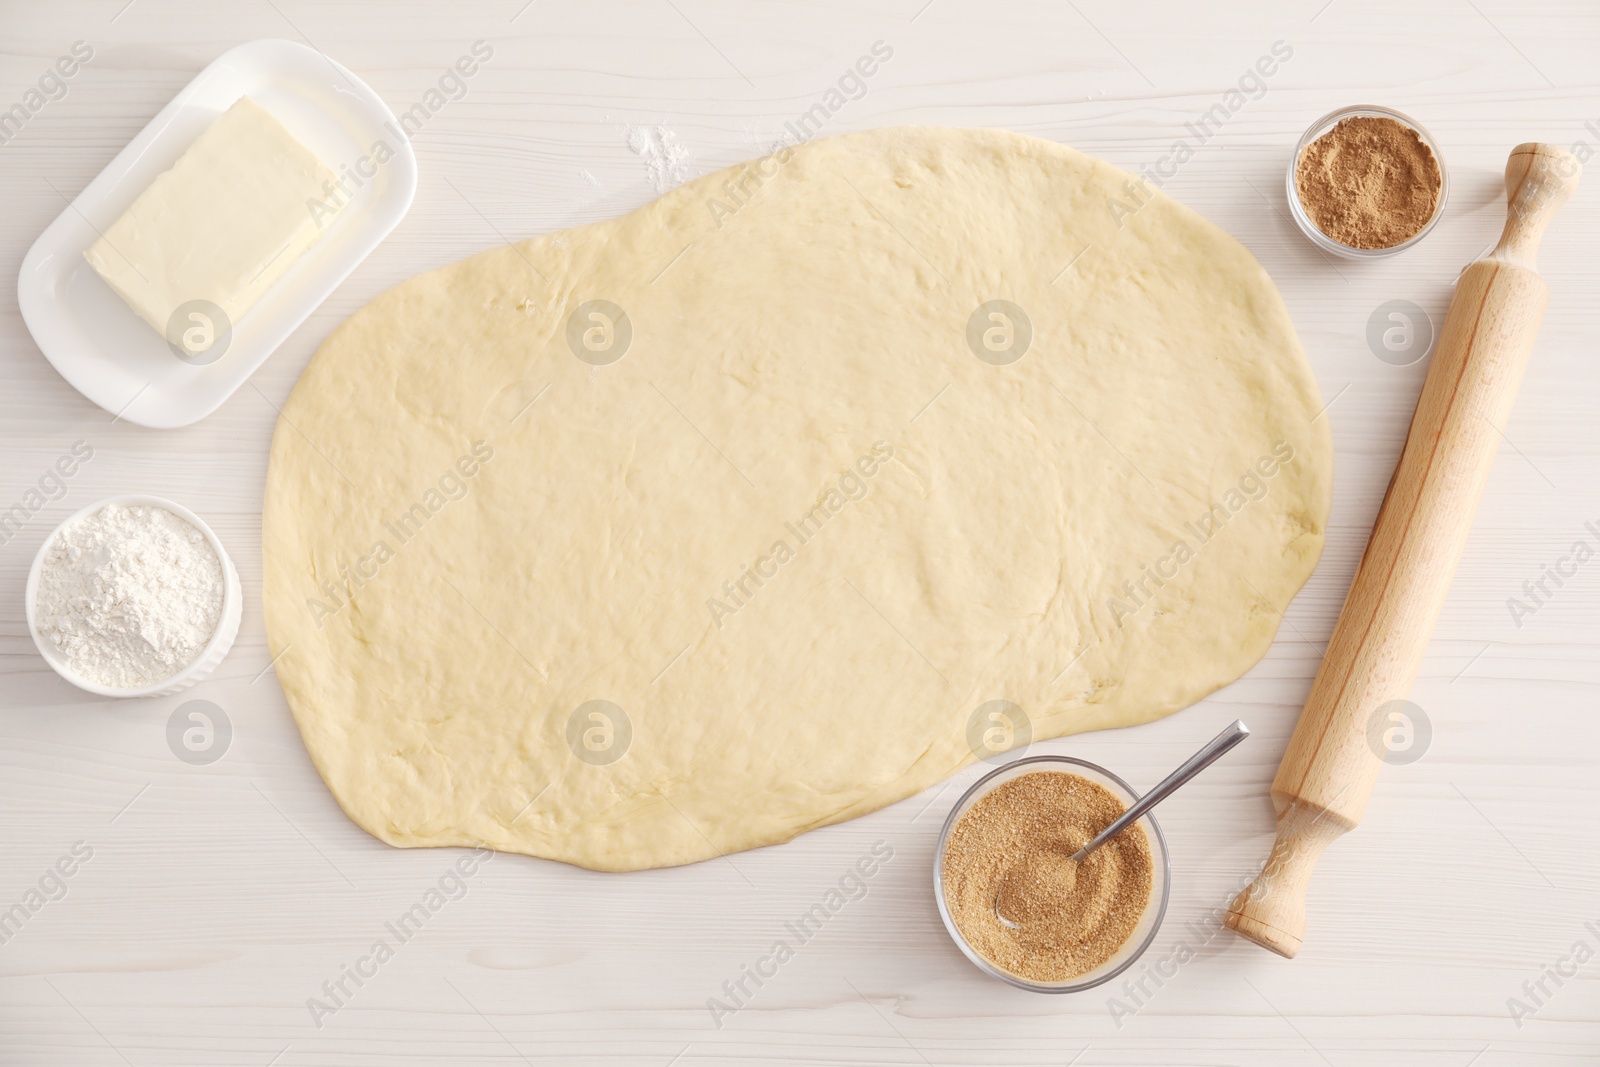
x: 1366, y: 182
x: 1015, y: 902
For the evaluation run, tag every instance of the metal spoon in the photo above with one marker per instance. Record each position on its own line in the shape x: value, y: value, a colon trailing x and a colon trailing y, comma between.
x: 1192, y: 766
x: 1230, y: 736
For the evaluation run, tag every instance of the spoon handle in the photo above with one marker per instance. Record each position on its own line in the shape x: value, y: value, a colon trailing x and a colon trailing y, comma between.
x: 1196, y: 763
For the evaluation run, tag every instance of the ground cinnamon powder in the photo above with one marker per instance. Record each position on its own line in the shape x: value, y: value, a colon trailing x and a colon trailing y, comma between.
x: 1370, y: 182
x: 1017, y: 896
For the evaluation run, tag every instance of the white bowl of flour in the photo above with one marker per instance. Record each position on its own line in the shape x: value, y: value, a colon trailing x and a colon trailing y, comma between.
x: 133, y: 596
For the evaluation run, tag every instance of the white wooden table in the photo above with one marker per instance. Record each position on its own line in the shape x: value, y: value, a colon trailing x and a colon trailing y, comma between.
x: 219, y: 898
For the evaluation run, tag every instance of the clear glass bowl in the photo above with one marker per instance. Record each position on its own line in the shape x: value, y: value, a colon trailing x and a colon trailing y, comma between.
x: 1160, y: 873
x: 1322, y: 126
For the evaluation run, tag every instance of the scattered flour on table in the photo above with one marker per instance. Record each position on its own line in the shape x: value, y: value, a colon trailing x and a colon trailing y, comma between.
x: 666, y: 159
x: 763, y: 141
x: 129, y: 595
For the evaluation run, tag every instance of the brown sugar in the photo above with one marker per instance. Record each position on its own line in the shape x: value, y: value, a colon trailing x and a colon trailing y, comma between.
x: 1016, y: 894
x: 1370, y: 182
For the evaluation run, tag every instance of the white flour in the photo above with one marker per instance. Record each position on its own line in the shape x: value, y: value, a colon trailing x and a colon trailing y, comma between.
x: 129, y: 595
x: 665, y: 157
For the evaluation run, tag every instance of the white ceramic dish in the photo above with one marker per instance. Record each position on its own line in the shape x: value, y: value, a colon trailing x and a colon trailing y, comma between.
x: 112, y: 356
x: 214, y: 652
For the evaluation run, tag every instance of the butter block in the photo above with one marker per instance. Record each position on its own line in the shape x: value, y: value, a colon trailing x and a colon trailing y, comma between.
x: 224, y: 223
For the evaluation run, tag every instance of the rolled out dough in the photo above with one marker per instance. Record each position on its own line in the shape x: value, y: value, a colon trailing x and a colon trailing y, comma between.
x: 784, y: 497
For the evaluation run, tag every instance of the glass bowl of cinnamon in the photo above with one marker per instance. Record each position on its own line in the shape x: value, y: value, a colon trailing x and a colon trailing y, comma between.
x: 1366, y: 182
x: 1016, y: 903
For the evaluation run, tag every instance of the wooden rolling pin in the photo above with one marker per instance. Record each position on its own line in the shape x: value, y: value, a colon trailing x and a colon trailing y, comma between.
x: 1327, y: 774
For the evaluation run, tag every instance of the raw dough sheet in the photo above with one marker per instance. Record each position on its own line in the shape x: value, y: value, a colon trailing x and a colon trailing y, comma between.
x: 783, y: 497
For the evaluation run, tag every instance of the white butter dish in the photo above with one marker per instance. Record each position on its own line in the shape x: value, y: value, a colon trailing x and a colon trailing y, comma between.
x: 116, y: 359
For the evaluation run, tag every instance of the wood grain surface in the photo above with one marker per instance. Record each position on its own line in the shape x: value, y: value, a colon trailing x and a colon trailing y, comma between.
x: 220, y: 898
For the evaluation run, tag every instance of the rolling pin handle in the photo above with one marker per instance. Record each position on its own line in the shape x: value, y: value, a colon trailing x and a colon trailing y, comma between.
x: 1272, y: 909
x: 1539, y: 179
